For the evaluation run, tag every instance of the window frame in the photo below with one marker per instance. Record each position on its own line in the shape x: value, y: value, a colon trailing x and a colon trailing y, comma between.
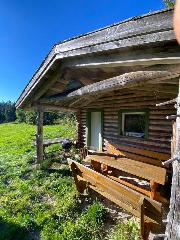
x: 133, y: 111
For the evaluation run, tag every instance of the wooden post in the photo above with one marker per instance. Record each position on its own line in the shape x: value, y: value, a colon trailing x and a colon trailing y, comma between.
x: 142, y: 223
x: 153, y: 186
x: 173, y: 220
x: 39, y: 136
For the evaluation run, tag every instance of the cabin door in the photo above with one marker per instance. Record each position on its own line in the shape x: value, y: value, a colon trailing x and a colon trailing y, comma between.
x: 95, y: 130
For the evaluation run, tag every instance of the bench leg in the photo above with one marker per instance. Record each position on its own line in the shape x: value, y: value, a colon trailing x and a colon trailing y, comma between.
x: 144, y: 226
x: 153, y: 186
x: 80, y: 184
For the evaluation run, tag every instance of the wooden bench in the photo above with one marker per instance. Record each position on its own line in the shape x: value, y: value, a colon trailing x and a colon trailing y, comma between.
x: 147, y: 209
x: 153, y: 174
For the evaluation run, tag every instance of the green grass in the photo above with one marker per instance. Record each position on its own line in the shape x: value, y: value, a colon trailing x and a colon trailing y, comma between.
x: 42, y: 204
x: 126, y: 231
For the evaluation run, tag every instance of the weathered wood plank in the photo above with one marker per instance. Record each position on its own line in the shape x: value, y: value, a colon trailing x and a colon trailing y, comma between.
x: 141, y: 143
x: 136, y: 26
x: 130, y: 185
x: 121, y: 43
x: 136, y: 157
x: 131, y: 62
x: 136, y: 168
x: 142, y: 152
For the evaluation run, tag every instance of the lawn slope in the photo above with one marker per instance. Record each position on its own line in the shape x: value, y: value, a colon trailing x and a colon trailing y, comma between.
x: 43, y: 204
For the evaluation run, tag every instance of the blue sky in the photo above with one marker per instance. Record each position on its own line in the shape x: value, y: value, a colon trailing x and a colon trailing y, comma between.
x: 29, y: 28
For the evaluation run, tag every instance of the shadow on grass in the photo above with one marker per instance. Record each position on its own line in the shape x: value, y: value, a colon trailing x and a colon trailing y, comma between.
x: 64, y: 172
x: 12, y: 231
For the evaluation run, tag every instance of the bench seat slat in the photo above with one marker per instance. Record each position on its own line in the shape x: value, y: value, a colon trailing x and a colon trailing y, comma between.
x: 143, y: 170
x: 130, y: 185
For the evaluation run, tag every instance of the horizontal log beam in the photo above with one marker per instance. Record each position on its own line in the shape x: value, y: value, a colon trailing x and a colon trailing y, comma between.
x: 129, y: 80
x: 130, y: 62
x: 52, y: 108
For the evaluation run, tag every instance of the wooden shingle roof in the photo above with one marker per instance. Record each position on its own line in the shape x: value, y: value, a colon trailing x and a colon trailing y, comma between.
x: 149, y: 29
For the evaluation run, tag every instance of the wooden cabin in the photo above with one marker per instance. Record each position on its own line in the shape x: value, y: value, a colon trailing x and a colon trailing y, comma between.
x: 122, y: 81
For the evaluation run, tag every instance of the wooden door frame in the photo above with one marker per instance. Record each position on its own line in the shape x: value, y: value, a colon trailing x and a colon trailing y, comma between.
x: 88, y: 126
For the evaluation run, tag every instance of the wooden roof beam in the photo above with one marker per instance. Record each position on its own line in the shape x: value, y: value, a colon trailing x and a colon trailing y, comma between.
x: 52, y: 108
x: 128, y: 62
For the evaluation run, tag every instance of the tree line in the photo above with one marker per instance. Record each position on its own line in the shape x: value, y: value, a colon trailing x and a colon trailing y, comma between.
x: 8, y: 113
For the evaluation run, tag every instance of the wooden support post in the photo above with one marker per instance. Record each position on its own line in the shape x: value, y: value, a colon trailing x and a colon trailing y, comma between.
x: 173, y: 225
x: 173, y: 139
x: 39, y: 136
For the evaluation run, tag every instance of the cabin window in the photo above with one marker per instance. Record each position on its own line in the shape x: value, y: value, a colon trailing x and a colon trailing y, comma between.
x: 134, y: 123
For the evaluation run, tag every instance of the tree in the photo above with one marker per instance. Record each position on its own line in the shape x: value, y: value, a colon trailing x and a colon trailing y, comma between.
x: 169, y: 3
x: 2, y: 117
x: 10, y: 112
x: 49, y: 118
x: 29, y: 117
x: 20, y: 116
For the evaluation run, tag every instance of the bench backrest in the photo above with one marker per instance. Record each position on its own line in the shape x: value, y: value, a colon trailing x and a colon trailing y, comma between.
x: 143, y: 155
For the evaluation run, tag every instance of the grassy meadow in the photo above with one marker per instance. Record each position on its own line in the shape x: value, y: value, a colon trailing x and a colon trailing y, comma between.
x: 43, y: 203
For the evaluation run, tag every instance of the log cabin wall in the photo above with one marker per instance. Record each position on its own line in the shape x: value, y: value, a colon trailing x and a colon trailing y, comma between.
x: 159, y: 130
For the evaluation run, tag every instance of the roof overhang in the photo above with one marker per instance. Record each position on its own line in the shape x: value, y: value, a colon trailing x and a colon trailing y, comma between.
x: 153, y: 28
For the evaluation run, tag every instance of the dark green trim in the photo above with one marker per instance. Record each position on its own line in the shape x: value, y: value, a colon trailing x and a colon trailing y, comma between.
x: 88, y: 125
x: 134, y: 110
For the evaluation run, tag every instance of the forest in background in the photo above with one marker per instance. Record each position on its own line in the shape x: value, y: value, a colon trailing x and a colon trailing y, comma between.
x: 8, y: 113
